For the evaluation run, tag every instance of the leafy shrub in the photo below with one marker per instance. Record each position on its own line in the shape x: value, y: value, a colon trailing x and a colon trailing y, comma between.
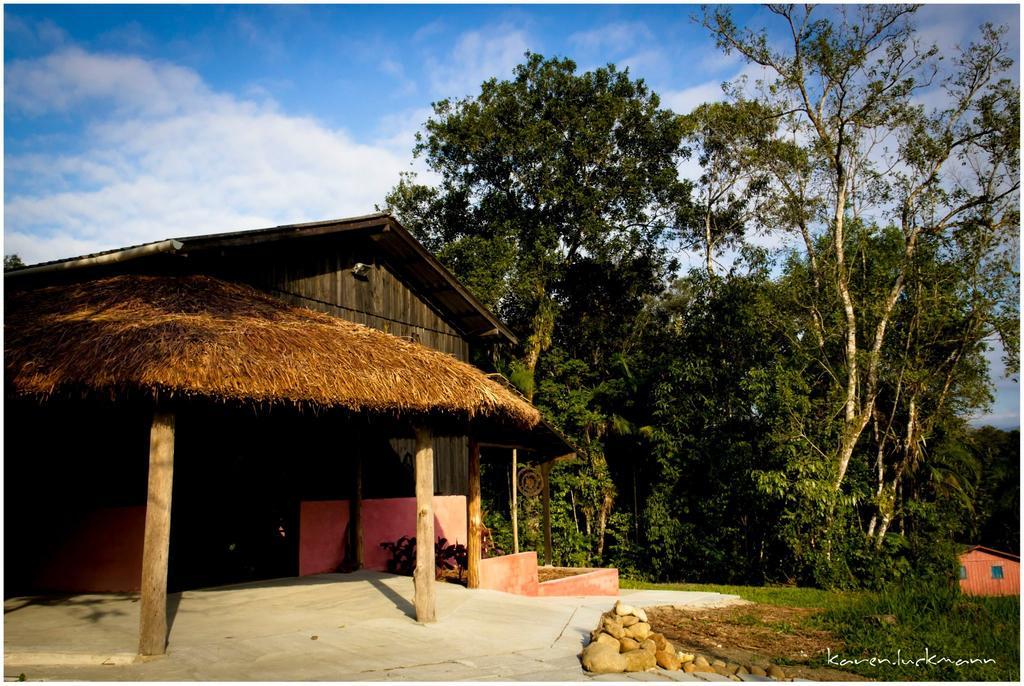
x: 450, y: 556
x: 403, y: 555
x: 446, y: 556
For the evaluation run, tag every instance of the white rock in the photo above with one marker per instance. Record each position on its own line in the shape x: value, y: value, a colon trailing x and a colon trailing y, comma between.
x: 622, y: 609
x: 639, y: 612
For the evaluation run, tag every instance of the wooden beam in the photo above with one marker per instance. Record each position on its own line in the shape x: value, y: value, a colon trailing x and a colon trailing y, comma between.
x: 503, y: 446
x: 423, y: 575
x: 545, y: 472
x: 515, y: 503
x: 474, y: 517
x: 157, y: 539
x: 357, y: 508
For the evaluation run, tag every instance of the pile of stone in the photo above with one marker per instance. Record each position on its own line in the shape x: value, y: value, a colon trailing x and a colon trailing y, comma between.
x: 624, y: 642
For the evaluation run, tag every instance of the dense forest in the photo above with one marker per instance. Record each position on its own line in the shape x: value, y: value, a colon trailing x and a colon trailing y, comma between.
x: 794, y: 404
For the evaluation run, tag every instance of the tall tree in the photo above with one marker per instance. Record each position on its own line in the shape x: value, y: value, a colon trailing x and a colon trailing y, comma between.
x: 538, y: 174
x: 12, y: 262
x: 848, y: 83
x: 729, y: 141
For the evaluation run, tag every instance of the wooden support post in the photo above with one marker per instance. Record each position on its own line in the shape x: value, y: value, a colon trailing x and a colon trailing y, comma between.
x: 474, y: 517
x: 423, y: 575
x: 515, y: 502
x: 545, y: 472
x: 357, y: 509
x: 157, y: 538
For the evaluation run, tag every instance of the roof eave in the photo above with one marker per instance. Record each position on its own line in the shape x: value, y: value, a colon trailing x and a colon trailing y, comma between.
x: 497, y: 327
x: 98, y: 259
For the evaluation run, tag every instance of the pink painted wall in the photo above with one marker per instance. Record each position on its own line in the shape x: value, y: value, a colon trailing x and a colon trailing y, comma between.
x: 518, y: 574
x: 510, y: 573
x: 594, y: 582
x: 322, y: 535
x: 322, y: 529
x: 103, y: 553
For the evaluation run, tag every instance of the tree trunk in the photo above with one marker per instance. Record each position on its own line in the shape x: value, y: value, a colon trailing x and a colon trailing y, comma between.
x: 474, y: 517
x: 709, y: 246
x: 602, y: 525
x: 539, y: 340
x: 157, y: 537
x: 423, y: 573
x: 852, y: 423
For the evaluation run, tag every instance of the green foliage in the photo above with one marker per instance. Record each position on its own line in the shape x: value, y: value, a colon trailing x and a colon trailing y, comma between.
x: 994, y: 518
x: 713, y: 412
x: 12, y: 262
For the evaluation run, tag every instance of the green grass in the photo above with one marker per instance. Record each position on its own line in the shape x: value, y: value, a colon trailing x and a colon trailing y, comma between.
x: 942, y: 621
x: 788, y: 596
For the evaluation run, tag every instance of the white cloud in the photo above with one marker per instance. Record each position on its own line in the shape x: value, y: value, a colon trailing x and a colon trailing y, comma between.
x: 427, y: 30
x: 644, y: 61
x: 477, y: 56
x: 72, y: 77
x: 174, y: 158
x: 685, y: 100
x: 395, y: 69
x: 616, y: 37
x: 37, y: 34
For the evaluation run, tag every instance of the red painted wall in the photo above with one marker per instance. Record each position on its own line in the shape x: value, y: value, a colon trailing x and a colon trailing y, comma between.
x: 322, y: 529
x: 102, y: 553
x: 979, y: 581
x: 510, y: 573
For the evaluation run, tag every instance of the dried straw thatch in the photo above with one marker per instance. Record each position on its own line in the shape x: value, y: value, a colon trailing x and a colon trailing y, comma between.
x: 196, y: 335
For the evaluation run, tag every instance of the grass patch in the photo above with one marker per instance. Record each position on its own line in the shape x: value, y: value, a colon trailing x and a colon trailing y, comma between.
x: 942, y: 621
x: 788, y: 596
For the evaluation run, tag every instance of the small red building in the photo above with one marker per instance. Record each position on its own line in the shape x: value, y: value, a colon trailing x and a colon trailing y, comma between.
x: 984, y: 571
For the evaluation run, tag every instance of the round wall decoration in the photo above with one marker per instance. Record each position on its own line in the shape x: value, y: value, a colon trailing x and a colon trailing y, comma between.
x: 530, y: 481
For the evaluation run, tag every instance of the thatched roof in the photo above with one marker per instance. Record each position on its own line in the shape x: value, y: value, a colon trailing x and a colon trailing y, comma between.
x: 200, y: 336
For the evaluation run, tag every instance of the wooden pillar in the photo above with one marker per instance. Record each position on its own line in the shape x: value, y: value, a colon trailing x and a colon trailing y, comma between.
x: 357, y: 509
x: 423, y: 575
x: 515, y: 502
x: 474, y: 517
x: 545, y: 472
x: 157, y: 539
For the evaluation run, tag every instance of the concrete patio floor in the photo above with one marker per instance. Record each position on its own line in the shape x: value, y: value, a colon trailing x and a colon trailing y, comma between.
x: 335, y: 627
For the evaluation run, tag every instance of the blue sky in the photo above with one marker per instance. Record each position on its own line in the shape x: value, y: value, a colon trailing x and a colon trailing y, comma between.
x: 125, y: 124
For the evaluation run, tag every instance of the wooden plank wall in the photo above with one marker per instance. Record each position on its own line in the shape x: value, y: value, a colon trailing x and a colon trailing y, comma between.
x: 326, y: 282
x: 321, y: 278
x: 450, y: 461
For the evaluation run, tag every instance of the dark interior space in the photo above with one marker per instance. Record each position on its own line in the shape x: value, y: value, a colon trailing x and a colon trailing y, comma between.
x: 63, y: 460
x: 240, y: 478
x: 240, y: 475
